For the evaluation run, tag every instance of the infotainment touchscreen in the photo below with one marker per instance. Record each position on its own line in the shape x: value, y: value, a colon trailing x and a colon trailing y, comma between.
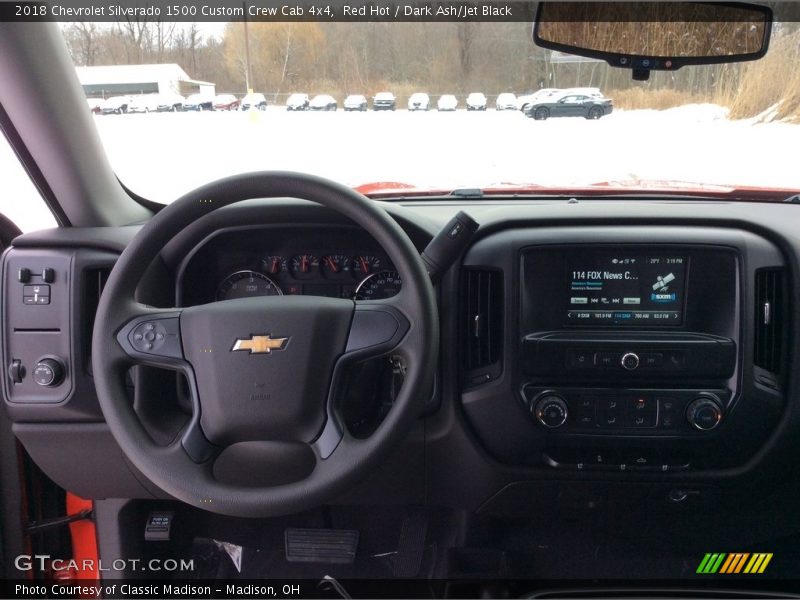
x: 625, y: 289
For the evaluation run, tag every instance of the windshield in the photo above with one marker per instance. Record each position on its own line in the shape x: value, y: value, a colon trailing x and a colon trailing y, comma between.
x: 495, y: 117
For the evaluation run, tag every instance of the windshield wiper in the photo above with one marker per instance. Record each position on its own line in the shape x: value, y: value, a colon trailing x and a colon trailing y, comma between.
x: 793, y: 199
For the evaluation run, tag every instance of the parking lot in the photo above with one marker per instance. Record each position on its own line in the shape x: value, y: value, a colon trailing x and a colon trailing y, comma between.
x: 161, y: 156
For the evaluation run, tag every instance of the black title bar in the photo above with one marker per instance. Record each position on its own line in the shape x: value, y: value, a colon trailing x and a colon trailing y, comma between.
x: 314, y: 10
x: 266, y: 10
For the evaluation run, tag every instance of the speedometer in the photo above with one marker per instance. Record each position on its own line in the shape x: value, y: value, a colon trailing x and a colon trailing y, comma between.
x: 246, y: 284
x: 383, y: 284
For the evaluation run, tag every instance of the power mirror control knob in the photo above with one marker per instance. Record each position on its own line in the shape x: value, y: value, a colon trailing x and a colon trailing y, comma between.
x: 48, y: 372
x: 704, y: 413
x: 551, y: 411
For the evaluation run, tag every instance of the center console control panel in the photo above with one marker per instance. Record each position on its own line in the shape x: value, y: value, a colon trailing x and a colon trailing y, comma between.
x: 628, y: 340
x: 625, y: 348
x: 626, y: 412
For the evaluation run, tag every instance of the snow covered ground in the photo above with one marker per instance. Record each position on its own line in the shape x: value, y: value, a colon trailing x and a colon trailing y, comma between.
x: 162, y: 156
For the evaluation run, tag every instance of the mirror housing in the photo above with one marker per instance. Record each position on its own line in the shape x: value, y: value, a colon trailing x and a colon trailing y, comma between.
x: 646, y: 36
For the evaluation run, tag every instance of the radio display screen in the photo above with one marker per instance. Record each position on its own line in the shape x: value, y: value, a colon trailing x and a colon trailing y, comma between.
x: 625, y: 289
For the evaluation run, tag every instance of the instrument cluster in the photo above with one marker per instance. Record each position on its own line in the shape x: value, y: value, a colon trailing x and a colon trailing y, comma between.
x: 361, y: 277
x: 270, y: 260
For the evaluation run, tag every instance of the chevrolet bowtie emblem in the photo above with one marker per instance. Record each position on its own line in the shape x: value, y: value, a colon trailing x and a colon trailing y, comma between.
x: 260, y: 344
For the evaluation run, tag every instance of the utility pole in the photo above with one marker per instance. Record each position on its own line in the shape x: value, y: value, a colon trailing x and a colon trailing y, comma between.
x: 246, y: 53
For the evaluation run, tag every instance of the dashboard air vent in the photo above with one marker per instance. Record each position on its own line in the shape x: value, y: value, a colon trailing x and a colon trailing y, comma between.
x: 483, y: 315
x: 770, y: 319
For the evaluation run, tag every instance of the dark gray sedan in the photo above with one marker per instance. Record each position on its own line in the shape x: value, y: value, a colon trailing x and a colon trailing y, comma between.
x: 571, y: 105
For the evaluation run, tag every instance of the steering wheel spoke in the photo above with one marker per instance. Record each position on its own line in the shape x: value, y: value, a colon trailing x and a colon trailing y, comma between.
x: 377, y: 328
x: 153, y: 338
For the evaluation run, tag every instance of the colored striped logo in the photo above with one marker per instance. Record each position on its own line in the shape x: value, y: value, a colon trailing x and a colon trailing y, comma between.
x: 735, y: 562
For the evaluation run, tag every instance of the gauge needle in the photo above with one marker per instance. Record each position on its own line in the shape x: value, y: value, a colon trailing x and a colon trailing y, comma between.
x: 304, y: 264
x: 364, y: 266
x: 332, y: 264
x: 274, y: 265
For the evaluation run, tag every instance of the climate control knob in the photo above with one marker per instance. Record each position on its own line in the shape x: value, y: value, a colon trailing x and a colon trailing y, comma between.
x: 704, y: 413
x: 551, y: 411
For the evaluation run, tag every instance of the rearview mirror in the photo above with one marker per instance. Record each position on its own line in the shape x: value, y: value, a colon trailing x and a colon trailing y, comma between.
x: 644, y: 36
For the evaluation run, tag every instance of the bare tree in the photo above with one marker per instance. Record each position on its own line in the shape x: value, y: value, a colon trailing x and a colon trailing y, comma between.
x: 136, y: 34
x: 164, y: 32
x: 466, y: 39
x: 82, y: 42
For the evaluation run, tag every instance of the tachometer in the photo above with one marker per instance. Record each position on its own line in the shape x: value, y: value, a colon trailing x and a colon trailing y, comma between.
x: 245, y: 284
x: 384, y: 284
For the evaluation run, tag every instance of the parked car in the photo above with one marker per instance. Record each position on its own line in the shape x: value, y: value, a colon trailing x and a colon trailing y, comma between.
x: 199, y: 102
x: 419, y: 101
x: 226, y: 102
x: 476, y: 101
x: 355, y: 102
x: 506, y: 101
x: 587, y: 91
x: 95, y: 105
x: 297, y: 102
x: 570, y: 105
x: 524, y: 102
x: 384, y: 101
x: 143, y: 104
x: 323, y: 102
x: 255, y: 101
x: 115, y: 105
x: 447, y: 102
x: 170, y: 102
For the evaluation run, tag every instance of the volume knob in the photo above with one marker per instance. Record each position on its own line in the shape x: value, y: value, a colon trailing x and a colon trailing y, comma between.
x: 551, y: 411
x: 630, y: 361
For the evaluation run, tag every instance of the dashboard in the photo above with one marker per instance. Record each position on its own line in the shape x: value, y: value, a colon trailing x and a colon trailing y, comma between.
x: 644, y: 344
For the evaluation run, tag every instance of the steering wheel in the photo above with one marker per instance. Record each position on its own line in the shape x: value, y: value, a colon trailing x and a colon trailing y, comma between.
x: 264, y: 373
